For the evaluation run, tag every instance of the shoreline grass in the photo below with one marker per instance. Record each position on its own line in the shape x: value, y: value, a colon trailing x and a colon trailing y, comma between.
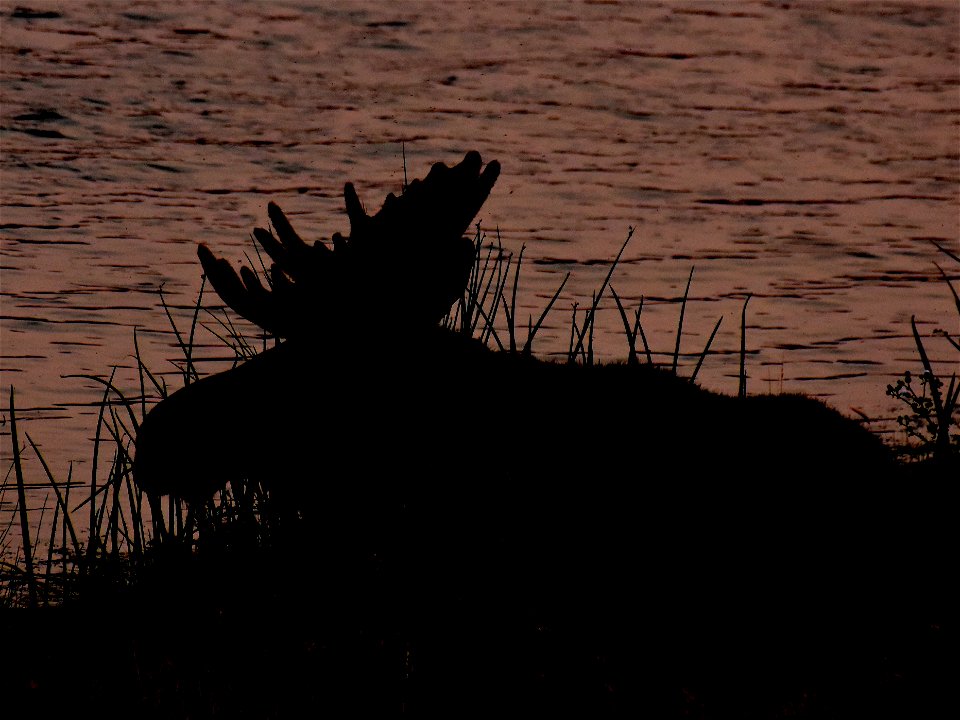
x: 122, y: 522
x: 184, y: 560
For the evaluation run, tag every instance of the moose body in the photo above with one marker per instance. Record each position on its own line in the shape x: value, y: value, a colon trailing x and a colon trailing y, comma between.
x: 480, y: 491
x: 448, y: 439
x: 416, y: 430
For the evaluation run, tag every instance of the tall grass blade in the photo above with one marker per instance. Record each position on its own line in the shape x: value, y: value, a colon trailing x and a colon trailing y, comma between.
x: 136, y: 517
x: 492, y: 280
x: 742, y: 387
x: 503, y: 273
x: 156, y: 517
x: 630, y: 333
x: 184, y: 348
x: 532, y: 333
x: 706, y: 349
x: 953, y: 392
x: 492, y: 331
x: 956, y: 297
x: 264, y: 270
x: 22, y: 500
x: 942, y: 447
x: 638, y: 327
x: 946, y: 252
x: 477, y: 273
x: 140, y: 373
x: 683, y: 307
x: 50, y: 545
x: 113, y: 524
x: 108, y: 384
x: 3, y: 490
x: 588, y: 321
x: 573, y: 331
x: 237, y: 342
x: 591, y: 324
x: 159, y: 386
x: 61, y: 503
x: 512, y: 312
x: 63, y: 540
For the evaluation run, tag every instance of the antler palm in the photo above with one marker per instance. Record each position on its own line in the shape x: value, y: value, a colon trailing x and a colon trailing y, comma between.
x: 412, y: 248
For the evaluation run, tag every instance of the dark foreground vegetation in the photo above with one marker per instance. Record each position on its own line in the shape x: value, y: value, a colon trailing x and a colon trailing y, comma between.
x: 464, y: 530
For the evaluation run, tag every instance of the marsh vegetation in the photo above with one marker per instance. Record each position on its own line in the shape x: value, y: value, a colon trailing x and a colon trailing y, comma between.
x: 420, y: 517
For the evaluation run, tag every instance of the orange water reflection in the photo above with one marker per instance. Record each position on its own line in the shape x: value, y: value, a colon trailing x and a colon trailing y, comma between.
x: 803, y: 153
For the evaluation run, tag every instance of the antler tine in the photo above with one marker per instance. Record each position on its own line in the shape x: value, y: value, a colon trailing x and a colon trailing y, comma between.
x: 235, y: 293
x: 359, y: 220
x: 272, y: 246
x: 481, y: 185
x: 288, y: 236
x: 282, y: 284
x: 298, y: 259
x: 471, y: 187
x: 469, y: 166
x: 455, y: 196
x: 257, y: 294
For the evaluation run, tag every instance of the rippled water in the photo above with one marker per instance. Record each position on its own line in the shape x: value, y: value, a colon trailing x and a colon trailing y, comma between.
x: 804, y: 153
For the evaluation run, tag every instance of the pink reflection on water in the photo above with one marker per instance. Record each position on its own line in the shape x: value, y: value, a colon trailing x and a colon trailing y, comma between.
x: 801, y: 153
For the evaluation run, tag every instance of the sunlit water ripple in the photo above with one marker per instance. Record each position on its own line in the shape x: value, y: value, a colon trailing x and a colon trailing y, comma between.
x: 803, y: 153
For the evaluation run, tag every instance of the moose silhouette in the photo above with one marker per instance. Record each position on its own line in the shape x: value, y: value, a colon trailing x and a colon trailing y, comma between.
x: 369, y: 412
x: 506, y: 489
x: 365, y: 363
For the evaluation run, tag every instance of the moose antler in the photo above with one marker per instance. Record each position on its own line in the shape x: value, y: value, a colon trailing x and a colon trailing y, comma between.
x: 413, y: 248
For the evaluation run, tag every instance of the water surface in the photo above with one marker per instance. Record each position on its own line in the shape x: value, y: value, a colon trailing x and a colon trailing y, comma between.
x: 805, y: 153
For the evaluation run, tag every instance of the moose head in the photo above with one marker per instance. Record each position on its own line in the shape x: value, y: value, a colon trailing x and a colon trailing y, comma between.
x: 390, y: 281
